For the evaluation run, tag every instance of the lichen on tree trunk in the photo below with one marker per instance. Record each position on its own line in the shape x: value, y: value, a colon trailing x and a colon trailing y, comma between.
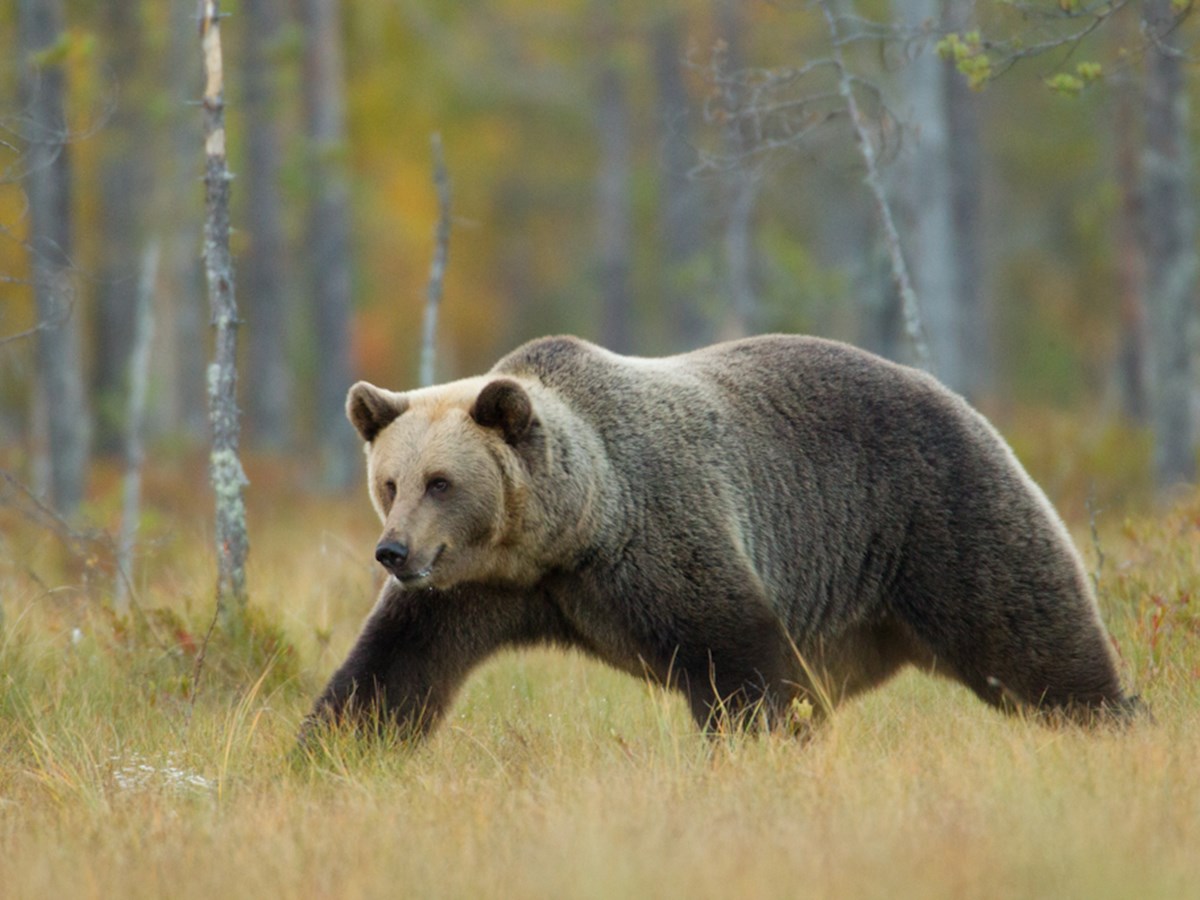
x: 225, y: 467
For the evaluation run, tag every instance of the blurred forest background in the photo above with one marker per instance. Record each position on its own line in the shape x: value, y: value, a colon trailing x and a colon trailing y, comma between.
x: 651, y: 176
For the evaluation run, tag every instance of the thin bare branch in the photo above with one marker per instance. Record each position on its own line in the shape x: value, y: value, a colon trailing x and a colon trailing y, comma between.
x: 900, y: 274
x: 1160, y: 39
x: 198, y: 669
x: 64, y: 313
x: 81, y: 544
x: 45, y: 516
x: 1013, y: 54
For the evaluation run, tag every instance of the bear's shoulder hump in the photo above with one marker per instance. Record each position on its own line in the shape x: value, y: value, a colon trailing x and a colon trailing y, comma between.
x: 544, y: 356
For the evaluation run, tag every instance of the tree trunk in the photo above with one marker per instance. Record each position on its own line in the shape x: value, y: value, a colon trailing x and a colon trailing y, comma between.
x: 178, y: 356
x: 49, y: 189
x: 122, y: 189
x: 328, y: 237
x: 1169, y: 227
x: 225, y: 466
x: 881, y: 324
x: 966, y: 186
x: 910, y: 307
x: 139, y: 368
x: 742, y: 186
x: 1132, y: 371
x: 437, y: 267
x: 264, y: 265
x: 682, y: 207
x: 613, y: 209
x: 928, y: 195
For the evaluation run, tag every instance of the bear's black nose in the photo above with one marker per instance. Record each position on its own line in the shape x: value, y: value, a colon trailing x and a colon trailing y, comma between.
x: 391, y: 555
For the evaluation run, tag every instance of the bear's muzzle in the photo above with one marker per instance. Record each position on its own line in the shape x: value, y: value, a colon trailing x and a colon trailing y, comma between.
x: 394, y: 555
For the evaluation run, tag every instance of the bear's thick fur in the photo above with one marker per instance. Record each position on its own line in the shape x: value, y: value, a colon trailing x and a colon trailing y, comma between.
x: 755, y: 523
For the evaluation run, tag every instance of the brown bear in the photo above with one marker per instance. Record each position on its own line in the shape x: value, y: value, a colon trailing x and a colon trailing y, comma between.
x: 757, y: 523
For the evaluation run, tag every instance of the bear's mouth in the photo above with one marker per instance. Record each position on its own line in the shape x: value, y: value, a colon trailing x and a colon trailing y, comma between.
x: 421, y: 574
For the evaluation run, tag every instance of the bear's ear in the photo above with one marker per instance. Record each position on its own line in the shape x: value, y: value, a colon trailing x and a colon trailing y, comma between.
x: 503, y: 404
x: 371, y: 409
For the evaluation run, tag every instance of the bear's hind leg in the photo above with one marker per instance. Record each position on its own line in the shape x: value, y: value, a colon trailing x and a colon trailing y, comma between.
x: 1033, y: 655
x: 1079, y: 683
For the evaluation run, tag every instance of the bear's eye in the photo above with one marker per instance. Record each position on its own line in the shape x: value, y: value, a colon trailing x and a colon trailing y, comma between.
x: 389, y: 490
x: 437, y: 485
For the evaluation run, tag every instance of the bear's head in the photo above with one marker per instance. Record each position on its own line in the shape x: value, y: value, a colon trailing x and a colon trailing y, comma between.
x: 445, y: 474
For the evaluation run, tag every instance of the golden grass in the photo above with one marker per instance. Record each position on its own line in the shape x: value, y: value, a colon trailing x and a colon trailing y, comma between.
x: 554, y: 777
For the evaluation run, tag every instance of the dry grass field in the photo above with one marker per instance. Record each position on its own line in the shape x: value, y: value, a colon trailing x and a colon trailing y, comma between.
x: 554, y: 777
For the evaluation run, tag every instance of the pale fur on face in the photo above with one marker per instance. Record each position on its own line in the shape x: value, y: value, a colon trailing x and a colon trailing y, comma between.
x: 441, y: 486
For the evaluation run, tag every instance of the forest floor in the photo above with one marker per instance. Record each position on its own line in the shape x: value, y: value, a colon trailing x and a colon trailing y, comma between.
x: 121, y: 775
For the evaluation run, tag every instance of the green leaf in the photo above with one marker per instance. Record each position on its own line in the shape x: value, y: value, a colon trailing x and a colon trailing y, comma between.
x: 1066, y: 84
x: 967, y: 54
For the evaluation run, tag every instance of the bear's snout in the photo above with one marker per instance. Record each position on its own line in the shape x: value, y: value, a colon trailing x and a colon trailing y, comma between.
x: 395, y: 555
x: 392, y: 555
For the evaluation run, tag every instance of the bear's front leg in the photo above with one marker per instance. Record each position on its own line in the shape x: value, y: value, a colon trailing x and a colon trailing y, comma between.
x: 414, y: 652
x: 742, y: 672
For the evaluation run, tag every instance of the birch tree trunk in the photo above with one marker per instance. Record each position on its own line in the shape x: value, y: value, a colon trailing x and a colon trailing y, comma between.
x: 1169, y: 225
x: 910, y: 307
x: 614, y: 215
x: 964, y: 153
x: 328, y: 237
x: 927, y: 194
x: 437, y: 268
x: 263, y: 266
x: 225, y: 466
x: 48, y: 184
x: 139, y: 367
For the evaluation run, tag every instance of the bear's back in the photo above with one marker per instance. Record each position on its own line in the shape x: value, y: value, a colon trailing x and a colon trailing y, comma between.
x: 770, y: 389
x: 819, y: 461
x: 814, y: 411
